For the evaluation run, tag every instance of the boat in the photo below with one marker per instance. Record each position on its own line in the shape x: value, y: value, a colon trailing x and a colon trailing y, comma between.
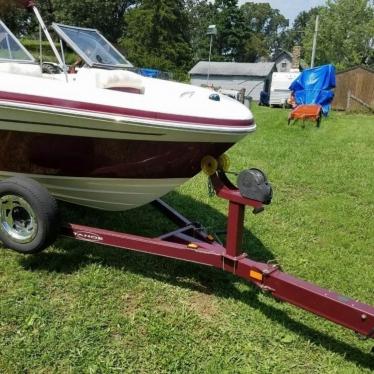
x: 99, y: 135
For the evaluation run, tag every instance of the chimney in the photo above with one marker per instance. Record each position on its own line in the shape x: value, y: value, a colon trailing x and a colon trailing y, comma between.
x: 296, y: 54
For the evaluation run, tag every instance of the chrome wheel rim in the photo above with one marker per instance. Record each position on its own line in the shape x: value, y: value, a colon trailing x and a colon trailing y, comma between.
x: 17, y: 219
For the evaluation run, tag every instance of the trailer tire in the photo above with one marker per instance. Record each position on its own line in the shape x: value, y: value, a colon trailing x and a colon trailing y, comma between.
x: 29, y: 217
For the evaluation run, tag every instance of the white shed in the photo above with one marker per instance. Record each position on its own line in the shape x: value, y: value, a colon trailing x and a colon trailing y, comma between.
x: 254, y: 77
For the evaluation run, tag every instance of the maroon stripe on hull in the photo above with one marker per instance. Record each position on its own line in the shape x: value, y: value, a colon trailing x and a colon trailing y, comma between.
x: 126, y: 89
x: 60, y: 155
x: 111, y: 110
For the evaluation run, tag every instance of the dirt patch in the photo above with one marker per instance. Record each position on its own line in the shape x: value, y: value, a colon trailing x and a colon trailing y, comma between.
x: 132, y: 302
x: 204, y: 305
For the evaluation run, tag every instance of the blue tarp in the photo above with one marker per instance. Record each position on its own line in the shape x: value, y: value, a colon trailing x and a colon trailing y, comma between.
x: 151, y: 73
x: 314, y: 86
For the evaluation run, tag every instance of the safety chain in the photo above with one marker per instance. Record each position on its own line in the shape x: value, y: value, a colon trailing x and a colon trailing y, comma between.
x: 211, y: 190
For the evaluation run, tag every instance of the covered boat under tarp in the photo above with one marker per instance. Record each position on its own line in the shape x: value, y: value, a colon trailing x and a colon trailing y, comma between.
x: 315, y: 86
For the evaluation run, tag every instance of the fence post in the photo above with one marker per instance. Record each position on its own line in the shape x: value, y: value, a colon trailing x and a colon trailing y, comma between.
x: 242, y: 95
x: 348, y: 101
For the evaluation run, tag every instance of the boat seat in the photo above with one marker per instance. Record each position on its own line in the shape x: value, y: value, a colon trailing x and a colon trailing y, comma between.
x: 32, y: 70
x: 120, y: 80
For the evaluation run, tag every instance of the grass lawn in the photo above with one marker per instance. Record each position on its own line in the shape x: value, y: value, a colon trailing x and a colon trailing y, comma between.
x: 82, y: 308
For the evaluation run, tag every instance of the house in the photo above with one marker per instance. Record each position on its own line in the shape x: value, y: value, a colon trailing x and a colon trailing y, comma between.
x: 254, y: 77
x: 283, y: 61
x: 354, y: 89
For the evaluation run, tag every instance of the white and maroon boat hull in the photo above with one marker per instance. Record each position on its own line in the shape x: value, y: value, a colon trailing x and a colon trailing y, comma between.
x: 109, y: 149
x: 110, y: 194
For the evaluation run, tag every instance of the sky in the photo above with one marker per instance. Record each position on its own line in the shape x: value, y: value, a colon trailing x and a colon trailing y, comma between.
x: 289, y: 8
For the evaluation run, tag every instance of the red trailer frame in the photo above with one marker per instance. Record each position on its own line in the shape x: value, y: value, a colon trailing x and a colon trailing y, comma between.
x: 192, y: 243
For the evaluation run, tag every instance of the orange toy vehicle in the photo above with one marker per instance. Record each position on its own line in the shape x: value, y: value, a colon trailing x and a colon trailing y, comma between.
x: 311, y: 112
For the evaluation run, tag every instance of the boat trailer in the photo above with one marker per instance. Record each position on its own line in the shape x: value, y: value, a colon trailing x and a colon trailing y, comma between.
x: 29, y: 223
x: 192, y: 243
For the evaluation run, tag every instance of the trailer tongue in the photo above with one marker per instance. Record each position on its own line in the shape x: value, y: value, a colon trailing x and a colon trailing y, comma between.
x: 192, y: 243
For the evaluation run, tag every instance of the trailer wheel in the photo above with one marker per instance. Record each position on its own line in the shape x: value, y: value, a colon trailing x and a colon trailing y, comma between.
x: 29, y: 219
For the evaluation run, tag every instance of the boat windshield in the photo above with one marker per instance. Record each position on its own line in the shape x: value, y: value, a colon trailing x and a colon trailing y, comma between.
x: 91, y: 46
x: 10, y: 48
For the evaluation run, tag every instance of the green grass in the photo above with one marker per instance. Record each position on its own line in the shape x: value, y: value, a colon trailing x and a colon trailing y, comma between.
x: 81, y: 308
x: 33, y: 46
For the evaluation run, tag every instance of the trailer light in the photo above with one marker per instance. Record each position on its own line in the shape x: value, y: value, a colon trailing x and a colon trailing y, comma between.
x: 192, y: 246
x: 256, y: 275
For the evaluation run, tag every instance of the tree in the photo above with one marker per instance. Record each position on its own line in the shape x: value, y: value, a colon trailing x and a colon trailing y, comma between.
x: 346, y: 33
x: 294, y: 36
x: 201, y: 14
x: 232, y: 30
x: 158, y: 35
x: 265, y: 26
x: 245, y: 33
x: 229, y: 43
x: 106, y: 16
x: 14, y: 17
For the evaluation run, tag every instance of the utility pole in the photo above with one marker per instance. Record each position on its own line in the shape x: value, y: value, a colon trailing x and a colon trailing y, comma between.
x: 315, y: 42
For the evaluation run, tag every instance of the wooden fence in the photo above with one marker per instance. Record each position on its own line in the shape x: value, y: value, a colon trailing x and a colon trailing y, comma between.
x: 355, y: 90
